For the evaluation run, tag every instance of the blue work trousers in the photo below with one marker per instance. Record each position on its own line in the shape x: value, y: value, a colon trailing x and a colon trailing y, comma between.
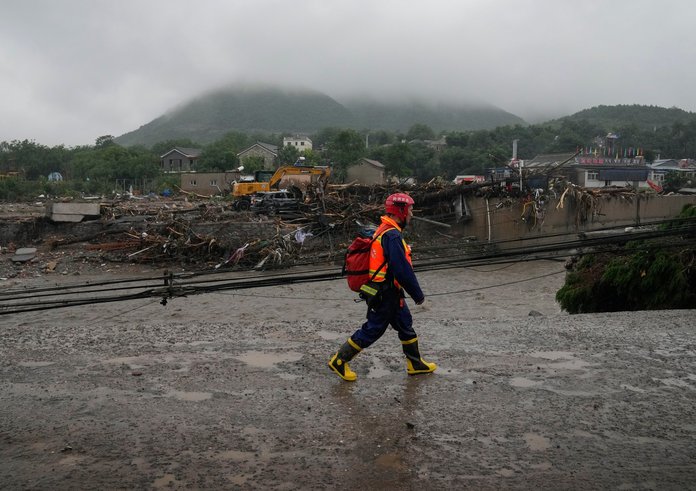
x: 392, y: 311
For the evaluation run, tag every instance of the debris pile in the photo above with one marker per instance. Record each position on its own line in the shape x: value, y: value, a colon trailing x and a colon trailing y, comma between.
x: 179, y: 230
x: 192, y: 230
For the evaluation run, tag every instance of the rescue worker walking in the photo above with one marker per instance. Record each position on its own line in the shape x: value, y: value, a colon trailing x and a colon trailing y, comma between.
x: 392, y: 273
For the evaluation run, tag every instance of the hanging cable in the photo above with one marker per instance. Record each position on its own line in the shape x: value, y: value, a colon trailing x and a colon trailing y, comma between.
x: 180, y: 285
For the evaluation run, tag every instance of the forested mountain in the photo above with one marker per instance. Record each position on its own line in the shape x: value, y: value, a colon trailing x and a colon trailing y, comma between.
x: 619, y: 116
x: 440, y: 117
x: 211, y: 116
x: 274, y: 110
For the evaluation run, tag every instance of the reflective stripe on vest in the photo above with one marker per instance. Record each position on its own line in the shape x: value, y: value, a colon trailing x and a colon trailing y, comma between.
x: 377, y: 252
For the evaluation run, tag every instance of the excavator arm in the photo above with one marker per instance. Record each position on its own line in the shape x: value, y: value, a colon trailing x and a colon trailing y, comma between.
x: 322, y: 173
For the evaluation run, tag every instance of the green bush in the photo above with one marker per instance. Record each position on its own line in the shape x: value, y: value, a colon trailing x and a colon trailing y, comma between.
x: 646, y: 279
x: 24, y: 190
x: 643, y: 276
x: 19, y: 190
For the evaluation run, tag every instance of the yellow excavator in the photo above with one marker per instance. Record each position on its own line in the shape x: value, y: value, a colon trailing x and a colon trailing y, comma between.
x: 290, y: 176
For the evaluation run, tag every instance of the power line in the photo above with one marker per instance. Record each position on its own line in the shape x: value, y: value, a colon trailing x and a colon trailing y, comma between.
x: 173, y: 285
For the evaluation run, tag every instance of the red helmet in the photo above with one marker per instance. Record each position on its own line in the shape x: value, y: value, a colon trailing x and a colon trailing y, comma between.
x: 398, y: 205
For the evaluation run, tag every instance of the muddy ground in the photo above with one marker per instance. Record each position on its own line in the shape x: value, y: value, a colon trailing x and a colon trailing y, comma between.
x: 232, y: 391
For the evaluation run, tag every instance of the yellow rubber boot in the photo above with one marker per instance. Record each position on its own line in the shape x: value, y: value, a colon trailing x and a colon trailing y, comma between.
x: 339, y: 362
x: 415, y: 365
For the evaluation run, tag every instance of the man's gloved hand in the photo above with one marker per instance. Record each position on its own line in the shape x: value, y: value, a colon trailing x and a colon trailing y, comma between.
x: 423, y: 305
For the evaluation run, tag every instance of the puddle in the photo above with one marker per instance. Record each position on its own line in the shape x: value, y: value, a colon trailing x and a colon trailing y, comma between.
x: 575, y: 393
x: 140, y: 463
x: 251, y: 431
x: 568, y: 359
x: 130, y: 361
x: 583, y: 434
x: 189, y: 396
x: 553, y: 355
x: 71, y: 460
x: 390, y: 461
x: 378, y: 372
x: 166, y: 481
x: 536, y: 442
x: 199, y: 343
x: 632, y: 389
x: 675, y: 382
x: 259, y: 456
x: 451, y: 372
x: 524, y: 383
x: 574, y: 364
x: 36, y: 364
x: 330, y: 335
x: 262, y: 359
x: 238, y: 480
x: 238, y: 455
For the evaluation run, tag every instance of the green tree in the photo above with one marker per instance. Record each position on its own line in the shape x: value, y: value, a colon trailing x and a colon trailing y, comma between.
x: 288, y: 155
x: 311, y: 157
x: 345, y: 147
x: 221, y: 155
x: 253, y: 163
x: 104, y: 141
x: 453, y: 161
x: 397, y: 159
x: 420, y: 131
x: 457, y: 139
x: 649, y: 156
x: 324, y: 136
x: 33, y: 159
x: 674, y: 181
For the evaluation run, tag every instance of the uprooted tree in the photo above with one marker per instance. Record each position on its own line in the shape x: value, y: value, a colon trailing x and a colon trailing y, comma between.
x: 645, y: 275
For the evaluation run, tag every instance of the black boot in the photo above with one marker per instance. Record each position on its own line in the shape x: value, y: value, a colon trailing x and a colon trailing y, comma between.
x: 339, y: 362
x: 414, y: 363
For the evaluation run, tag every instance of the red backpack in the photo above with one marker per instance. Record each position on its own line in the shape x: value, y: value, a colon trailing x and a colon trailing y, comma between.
x: 356, y: 264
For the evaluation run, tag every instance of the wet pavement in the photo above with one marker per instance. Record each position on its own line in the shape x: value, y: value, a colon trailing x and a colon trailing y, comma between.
x: 234, y: 392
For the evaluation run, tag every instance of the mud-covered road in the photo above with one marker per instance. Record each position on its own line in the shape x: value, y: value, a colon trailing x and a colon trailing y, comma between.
x: 229, y: 391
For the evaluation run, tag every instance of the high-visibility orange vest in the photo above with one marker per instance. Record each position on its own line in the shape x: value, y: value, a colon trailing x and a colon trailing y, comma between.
x: 378, y: 267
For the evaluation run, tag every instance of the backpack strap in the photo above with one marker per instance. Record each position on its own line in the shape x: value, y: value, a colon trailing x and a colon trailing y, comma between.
x: 379, y: 234
x: 378, y: 269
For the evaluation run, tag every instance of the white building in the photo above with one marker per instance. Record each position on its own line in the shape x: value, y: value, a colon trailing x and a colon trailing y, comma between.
x: 301, y: 143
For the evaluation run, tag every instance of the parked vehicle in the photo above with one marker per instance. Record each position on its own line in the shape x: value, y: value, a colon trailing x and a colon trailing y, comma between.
x: 274, y: 202
x: 296, y: 175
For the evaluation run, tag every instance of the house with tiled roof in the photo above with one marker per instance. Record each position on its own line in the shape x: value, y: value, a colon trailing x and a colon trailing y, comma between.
x: 180, y: 159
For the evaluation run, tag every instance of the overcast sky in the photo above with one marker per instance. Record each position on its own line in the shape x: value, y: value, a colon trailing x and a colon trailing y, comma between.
x: 73, y: 70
